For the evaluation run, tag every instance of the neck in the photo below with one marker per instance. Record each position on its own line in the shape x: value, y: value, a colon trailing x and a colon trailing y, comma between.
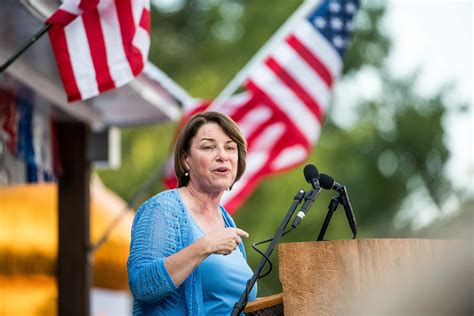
x: 207, y: 201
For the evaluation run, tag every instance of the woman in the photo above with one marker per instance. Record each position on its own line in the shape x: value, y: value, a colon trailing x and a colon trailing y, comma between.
x: 186, y: 255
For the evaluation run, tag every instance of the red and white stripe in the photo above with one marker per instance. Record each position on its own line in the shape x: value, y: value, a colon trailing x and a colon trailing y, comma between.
x: 273, y: 144
x: 294, y: 81
x: 281, y: 113
x: 297, y: 77
x: 99, y: 45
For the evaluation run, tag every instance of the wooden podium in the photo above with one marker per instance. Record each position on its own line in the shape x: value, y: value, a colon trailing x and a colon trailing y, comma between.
x: 372, y: 276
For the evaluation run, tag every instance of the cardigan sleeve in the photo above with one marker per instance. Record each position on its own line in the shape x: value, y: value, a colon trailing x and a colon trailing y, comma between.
x: 155, y: 235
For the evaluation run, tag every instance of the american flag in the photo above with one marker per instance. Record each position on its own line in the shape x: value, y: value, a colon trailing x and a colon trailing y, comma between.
x: 99, y: 44
x: 287, y: 95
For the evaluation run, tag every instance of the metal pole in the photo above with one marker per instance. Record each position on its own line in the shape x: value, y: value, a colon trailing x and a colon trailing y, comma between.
x: 240, y: 305
x: 25, y: 46
x: 264, y: 51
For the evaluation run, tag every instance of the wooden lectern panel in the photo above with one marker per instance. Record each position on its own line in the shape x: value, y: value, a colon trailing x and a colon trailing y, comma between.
x: 345, y: 277
x: 269, y: 305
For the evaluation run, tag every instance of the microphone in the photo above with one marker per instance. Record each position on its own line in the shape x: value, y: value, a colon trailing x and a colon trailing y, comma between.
x: 311, y: 175
x: 328, y: 183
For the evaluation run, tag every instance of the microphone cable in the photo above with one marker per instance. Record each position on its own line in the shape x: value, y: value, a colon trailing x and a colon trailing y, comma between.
x: 267, y: 259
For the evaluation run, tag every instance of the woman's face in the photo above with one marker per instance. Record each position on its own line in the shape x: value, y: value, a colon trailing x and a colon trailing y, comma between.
x: 212, y: 159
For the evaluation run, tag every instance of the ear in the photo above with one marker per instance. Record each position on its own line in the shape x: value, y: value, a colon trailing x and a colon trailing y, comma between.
x: 185, y: 161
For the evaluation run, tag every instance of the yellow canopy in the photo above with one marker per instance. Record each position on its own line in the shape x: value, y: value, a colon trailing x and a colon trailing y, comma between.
x: 28, y: 233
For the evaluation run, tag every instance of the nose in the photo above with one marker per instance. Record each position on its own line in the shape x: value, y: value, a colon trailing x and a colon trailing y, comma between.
x: 222, y: 154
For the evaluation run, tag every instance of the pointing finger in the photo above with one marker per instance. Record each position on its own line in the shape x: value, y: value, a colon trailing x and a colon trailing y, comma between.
x: 241, y: 232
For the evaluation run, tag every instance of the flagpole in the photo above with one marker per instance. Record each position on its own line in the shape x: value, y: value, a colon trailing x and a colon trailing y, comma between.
x: 25, y: 46
x: 241, y: 76
x: 168, y: 84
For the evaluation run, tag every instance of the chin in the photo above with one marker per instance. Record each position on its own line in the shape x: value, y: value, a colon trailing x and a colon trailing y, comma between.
x: 224, y: 187
x: 221, y: 187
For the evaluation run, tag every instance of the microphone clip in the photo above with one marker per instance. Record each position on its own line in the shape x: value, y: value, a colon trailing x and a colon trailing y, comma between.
x: 309, y: 198
x: 341, y: 190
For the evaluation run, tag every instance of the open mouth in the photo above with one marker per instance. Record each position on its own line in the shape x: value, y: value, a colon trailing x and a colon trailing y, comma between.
x: 222, y: 170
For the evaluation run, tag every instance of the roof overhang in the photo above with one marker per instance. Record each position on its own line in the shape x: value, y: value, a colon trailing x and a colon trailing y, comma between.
x: 143, y: 101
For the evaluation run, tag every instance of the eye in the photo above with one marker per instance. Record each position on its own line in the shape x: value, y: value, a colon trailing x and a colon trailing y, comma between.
x: 231, y: 148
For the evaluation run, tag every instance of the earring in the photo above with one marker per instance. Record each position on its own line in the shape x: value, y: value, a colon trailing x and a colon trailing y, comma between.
x: 186, y: 174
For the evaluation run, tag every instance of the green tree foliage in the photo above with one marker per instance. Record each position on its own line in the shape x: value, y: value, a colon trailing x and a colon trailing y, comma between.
x: 394, y: 149
x: 205, y: 43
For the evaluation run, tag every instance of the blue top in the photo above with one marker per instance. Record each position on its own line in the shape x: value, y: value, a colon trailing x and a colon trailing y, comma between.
x: 162, y: 227
x: 223, y: 278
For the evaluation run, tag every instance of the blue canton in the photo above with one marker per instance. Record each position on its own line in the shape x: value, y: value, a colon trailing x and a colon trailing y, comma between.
x: 334, y: 20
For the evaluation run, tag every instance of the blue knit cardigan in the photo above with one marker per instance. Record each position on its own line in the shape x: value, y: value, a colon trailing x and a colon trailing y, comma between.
x: 162, y: 227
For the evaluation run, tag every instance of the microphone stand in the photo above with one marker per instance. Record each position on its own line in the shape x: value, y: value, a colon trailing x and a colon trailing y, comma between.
x: 331, y: 209
x: 240, y: 305
x: 344, y: 199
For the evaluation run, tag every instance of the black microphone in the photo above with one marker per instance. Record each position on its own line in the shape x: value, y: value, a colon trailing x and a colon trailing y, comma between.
x: 328, y: 183
x: 311, y: 175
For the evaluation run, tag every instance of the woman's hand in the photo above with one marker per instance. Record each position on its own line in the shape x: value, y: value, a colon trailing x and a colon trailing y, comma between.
x: 223, y: 241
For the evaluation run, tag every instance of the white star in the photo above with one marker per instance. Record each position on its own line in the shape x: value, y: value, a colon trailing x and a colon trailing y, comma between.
x: 336, y: 24
x: 320, y: 22
x: 350, y: 7
x: 350, y: 26
x: 338, y: 41
x: 334, y: 7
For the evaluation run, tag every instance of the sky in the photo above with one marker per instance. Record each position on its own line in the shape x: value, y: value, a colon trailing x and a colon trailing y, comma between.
x: 437, y: 37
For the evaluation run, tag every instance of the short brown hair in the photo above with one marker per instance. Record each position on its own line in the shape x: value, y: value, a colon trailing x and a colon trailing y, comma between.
x: 190, y: 129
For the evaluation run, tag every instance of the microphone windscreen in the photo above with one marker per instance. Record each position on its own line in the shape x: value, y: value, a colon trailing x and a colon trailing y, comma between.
x: 326, y: 181
x: 310, y: 172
